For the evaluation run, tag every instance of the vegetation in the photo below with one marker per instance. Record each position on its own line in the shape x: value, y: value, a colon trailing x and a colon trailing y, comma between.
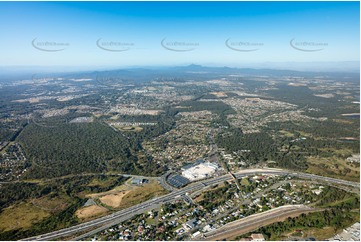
x: 218, y: 196
x: 341, y: 209
x: 67, y: 193
x: 273, y: 144
x: 53, y: 165
x: 57, y: 149
x: 21, y: 216
x: 217, y: 107
x: 141, y: 194
x: 335, y: 218
x: 56, y: 221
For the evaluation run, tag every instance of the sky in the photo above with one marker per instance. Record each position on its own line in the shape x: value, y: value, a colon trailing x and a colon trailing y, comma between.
x: 107, y: 34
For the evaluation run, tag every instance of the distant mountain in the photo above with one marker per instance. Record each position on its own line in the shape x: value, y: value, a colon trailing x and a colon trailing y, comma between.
x: 188, y: 72
x: 194, y: 70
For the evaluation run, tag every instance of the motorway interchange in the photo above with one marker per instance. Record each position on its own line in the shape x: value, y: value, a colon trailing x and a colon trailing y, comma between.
x: 105, y: 222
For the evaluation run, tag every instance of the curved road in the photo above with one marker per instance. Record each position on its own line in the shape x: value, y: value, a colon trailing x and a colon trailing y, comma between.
x: 254, y: 221
x: 117, y: 217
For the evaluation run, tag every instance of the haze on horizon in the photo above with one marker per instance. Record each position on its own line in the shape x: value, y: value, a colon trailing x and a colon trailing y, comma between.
x: 314, y: 36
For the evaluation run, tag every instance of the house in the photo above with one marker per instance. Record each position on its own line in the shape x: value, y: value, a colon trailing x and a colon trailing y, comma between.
x: 196, y: 234
x: 191, y: 223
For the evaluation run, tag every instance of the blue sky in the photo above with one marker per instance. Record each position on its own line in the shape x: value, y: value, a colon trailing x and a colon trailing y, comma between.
x: 200, y: 29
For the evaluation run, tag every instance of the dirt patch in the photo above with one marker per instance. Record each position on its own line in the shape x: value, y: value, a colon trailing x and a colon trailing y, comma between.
x: 219, y: 94
x: 113, y: 200
x: 141, y: 194
x: 116, y: 190
x: 128, y: 195
x: 91, y: 211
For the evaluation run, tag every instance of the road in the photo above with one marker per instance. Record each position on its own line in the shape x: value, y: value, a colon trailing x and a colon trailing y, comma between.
x: 255, y: 221
x: 117, y: 217
x: 163, y: 182
x: 80, y: 175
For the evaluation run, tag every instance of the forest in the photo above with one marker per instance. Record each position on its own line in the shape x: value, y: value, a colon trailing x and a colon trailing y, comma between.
x: 57, y: 149
x: 270, y: 145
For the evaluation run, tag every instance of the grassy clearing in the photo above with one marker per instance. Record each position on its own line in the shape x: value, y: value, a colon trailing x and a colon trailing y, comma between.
x: 322, y: 234
x: 21, y: 216
x: 128, y: 195
x: 150, y: 221
x: 285, y: 133
x: 128, y: 128
x: 333, y: 167
x: 55, y: 210
x: 340, y: 152
x: 141, y: 194
x: 50, y: 203
x: 327, y: 232
x: 343, y: 121
x: 302, y: 133
x: 115, y: 190
x: 347, y: 199
x: 102, y: 183
x: 245, y: 182
x: 318, y: 233
x: 309, y: 135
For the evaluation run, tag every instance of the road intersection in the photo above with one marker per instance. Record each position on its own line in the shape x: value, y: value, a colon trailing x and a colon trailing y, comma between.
x: 107, y: 221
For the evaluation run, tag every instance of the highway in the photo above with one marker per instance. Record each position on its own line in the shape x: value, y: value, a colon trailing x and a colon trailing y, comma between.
x: 110, y: 220
x: 250, y: 223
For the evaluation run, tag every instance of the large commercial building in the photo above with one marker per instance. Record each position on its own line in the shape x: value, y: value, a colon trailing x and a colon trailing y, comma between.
x: 200, y: 171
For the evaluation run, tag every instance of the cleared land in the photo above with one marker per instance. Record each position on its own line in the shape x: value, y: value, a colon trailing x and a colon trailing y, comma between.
x: 130, y: 128
x: 141, y: 194
x: 333, y: 167
x: 49, y: 203
x: 122, y: 188
x: 128, y: 195
x: 21, y: 216
x: 91, y: 211
x: 219, y: 94
x: 113, y: 200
